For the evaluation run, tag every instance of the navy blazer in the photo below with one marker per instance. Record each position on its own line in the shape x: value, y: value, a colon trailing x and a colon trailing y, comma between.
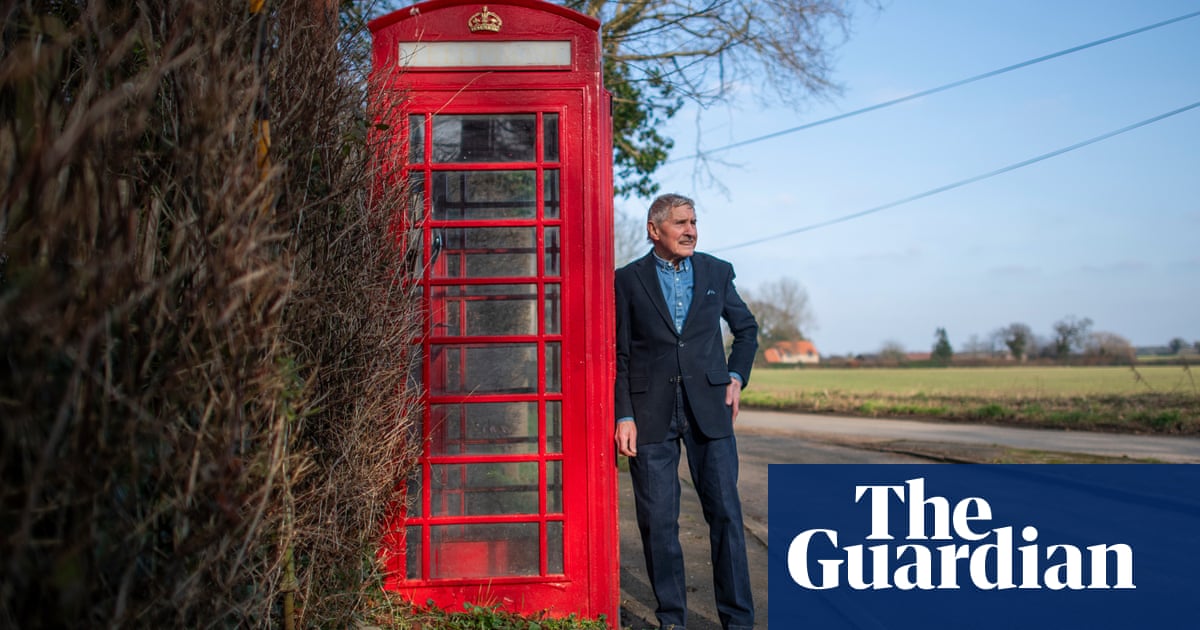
x: 651, y: 355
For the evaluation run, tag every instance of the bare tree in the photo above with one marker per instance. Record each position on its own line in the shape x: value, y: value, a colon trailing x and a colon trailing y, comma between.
x: 1070, y: 334
x: 892, y: 351
x: 1108, y: 346
x: 662, y: 53
x: 977, y: 348
x: 782, y: 309
x: 629, y: 237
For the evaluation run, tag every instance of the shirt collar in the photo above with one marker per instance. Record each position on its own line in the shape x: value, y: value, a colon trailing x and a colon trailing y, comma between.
x: 685, y: 264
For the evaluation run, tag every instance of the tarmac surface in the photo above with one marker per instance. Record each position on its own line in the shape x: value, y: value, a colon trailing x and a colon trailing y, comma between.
x: 783, y: 438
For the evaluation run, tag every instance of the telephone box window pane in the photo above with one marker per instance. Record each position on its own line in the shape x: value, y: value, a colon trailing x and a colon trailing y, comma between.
x: 554, y: 487
x: 486, y: 253
x: 550, y: 137
x: 467, y: 195
x: 485, y: 138
x: 484, y: 489
x: 416, y: 196
x: 553, y: 426
x: 550, y: 194
x: 553, y: 308
x: 553, y: 367
x: 552, y: 251
x: 412, y: 497
x: 412, y: 552
x: 554, y: 547
x: 416, y: 139
x: 484, y: 550
x: 485, y: 309
x: 508, y: 368
x: 483, y: 429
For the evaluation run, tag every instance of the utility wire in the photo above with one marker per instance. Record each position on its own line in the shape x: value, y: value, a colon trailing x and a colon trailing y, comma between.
x: 940, y: 88
x: 961, y: 183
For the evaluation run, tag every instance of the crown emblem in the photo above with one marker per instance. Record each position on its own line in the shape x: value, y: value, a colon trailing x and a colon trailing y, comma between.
x: 485, y: 21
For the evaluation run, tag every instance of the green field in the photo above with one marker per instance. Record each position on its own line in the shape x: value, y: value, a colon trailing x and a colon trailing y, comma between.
x: 984, y: 381
x: 1161, y: 399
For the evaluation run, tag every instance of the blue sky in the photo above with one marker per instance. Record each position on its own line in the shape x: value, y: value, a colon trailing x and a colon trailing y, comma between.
x: 1110, y: 231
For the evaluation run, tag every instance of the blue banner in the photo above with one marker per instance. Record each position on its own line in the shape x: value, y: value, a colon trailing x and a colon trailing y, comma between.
x: 984, y: 546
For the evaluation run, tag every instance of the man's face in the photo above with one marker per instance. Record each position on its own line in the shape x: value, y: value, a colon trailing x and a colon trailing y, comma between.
x: 675, y: 237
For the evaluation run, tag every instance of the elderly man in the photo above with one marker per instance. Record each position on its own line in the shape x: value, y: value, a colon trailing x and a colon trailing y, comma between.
x: 675, y: 385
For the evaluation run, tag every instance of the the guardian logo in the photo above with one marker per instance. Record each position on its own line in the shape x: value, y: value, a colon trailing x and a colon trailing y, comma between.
x: 947, y: 547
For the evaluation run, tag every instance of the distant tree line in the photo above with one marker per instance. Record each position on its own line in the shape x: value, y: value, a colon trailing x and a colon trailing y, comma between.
x: 1071, y: 339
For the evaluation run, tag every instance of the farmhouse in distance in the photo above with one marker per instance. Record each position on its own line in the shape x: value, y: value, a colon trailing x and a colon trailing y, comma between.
x: 792, y: 353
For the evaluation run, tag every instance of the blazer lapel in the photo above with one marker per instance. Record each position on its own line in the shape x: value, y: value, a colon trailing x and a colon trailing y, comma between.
x: 648, y: 276
x: 700, y: 286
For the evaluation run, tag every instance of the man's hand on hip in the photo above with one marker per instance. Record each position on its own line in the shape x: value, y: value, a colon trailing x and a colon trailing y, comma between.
x: 626, y: 437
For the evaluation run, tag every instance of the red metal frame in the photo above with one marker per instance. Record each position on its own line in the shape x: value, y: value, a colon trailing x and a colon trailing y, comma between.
x: 586, y: 516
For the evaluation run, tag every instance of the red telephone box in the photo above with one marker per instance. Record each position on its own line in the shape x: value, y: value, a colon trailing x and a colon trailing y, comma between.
x: 506, y: 140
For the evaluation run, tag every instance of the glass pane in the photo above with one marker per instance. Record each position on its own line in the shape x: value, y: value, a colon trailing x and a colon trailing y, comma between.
x: 553, y: 426
x: 550, y: 132
x: 465, y: 195
x: 412, y: 497
x: 552, y: 251
x: 553, y: 309
x: 554, y: 487
x: 554, y: 547
x: 550, y: 194
x: 483, y: 429
x: 412, y: 552
x: 553, y: 367
x: 484, y: 138
x: 485, y: 309
x: 484, y: 550
x: 416, y: 139
x: 416, y: 197
x: 486, y: 253
x: 481, y: 489
x: 505, y: 368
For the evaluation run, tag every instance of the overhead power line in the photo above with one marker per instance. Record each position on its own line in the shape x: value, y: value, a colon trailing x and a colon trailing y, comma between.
x: 961, y: 183
x: 940, y: 88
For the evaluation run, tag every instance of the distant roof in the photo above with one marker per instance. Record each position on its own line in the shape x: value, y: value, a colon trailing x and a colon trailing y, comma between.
x: 791, y: 352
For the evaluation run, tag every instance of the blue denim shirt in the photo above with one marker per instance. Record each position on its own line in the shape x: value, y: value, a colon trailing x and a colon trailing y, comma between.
x: 677, y: 285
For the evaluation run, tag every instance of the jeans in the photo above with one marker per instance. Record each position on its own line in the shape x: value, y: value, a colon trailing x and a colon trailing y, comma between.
x: 714, y: 470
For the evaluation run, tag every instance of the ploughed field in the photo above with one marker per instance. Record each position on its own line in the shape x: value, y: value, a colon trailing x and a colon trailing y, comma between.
x: 1145, y: 399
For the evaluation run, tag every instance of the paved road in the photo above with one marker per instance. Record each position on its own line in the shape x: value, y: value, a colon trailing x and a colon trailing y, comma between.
x: 1169, y: 449
x: 782, y: 438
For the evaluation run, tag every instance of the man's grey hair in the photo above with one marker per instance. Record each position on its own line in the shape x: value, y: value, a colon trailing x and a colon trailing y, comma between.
x: 661, y: 208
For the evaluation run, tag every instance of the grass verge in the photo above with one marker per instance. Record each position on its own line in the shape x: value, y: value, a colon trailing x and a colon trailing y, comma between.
x: 993, y: 454
x: 402, y: 615
x: 1148, y: 412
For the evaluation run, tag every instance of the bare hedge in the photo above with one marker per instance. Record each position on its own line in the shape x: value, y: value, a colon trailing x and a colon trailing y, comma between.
x: 204, y: 357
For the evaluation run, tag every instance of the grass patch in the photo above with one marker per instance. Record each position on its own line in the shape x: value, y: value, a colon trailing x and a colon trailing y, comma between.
x: 990, y: 411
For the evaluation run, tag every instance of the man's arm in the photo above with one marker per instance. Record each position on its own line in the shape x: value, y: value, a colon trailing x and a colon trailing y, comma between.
x: 625, y: 434
x: 744, y: 328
